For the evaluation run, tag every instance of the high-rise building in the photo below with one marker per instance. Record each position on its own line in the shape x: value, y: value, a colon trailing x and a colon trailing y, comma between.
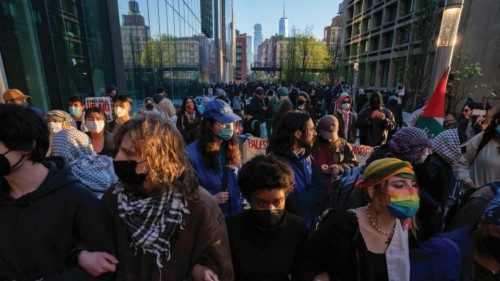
x: 257, y: 40
x: 135, y: 35
x: 283, y: 24
x: 249, y: 52
x: 224, y: 40
x: 52, y: 50
x: 240, y: 71
x: 375, y: 41
x: 167, y: 42
x: 332, y: 33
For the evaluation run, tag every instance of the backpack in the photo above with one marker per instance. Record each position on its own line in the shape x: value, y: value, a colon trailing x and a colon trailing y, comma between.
x: 344, y: 195
x: 464, y: 197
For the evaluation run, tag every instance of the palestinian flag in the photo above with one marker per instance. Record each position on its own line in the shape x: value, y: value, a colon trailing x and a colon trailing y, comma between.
x: 431, y: 120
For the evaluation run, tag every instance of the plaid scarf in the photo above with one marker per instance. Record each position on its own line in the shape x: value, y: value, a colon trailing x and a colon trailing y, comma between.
x: 152, y: 221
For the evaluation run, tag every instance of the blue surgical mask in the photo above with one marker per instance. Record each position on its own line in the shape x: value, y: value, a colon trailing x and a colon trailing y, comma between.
x: 74, y: 111
x: 226, y: 133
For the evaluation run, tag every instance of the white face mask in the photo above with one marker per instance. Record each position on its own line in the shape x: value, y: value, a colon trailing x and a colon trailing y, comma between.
x: 95, y: 126
x: 55, y: 127
x: 120, y: 111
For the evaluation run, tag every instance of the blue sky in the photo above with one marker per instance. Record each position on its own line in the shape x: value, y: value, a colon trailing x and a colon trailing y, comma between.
x: 301, y: 13
x: 315, y: 14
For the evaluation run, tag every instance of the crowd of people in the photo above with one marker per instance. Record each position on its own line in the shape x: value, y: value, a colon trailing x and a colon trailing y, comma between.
x: 163, y: 193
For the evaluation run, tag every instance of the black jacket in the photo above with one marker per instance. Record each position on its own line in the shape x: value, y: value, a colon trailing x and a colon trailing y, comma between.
x: 374, y: 132
x: 43, y: 231
x: 266, y: 255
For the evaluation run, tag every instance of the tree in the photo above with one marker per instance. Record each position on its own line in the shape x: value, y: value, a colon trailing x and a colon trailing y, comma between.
x: 464, y: 80
x: 304, y: 56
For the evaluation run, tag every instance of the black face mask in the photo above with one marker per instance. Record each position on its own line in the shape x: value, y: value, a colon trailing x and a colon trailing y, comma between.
x: 5, y: 167
x: 125, y: 171
x: 267, y: 220
x: 301, y: 102
x: 493, y: 245
x: 149, y: 106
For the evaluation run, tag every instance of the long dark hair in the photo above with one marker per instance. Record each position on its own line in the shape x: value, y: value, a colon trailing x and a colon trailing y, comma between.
x: 182, y: 110
x: 284, y: 136
x: 207, y: 139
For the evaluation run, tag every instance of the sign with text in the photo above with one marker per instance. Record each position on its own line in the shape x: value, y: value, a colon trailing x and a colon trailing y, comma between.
x: 103, y: 102
x: 362, y: 152
x: 251, y: 146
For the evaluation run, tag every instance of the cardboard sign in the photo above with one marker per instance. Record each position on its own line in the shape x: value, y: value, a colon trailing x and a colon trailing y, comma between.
x: 103, y: 102
x: 251, y: 146
x: 362, y: 152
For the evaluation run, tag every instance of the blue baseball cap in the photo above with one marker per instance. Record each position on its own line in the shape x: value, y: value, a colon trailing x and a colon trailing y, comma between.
x: 220, y: 111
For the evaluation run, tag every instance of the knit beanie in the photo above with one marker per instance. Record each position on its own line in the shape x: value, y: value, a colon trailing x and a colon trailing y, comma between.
x: 283, y: 91
x: 408, y: 143
x: 380, y: 170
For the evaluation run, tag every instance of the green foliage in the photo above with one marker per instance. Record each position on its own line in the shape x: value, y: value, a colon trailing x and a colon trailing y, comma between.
x: 305, y: 59
x: 464, y: 80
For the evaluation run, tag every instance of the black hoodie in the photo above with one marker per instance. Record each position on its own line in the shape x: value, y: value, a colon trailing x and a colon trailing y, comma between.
x: 42, y: 231
x: 375, y: 132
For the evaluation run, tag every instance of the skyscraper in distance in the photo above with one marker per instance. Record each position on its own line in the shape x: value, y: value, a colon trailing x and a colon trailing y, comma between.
x: 283, y: 25
x: 257, y: 39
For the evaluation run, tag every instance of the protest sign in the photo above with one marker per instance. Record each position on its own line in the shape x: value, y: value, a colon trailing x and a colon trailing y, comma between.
x: 251, y: 146
x: 103, y: 102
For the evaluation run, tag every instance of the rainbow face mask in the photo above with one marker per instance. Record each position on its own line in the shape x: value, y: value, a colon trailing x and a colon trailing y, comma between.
x: 404, y: 202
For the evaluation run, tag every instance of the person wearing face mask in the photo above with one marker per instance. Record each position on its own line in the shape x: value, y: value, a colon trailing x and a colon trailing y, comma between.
x: 166, y: 227
x: 50, y: 220
x: 101, y: 139
x: 76, y: 110
x: 122, y: 105
x: 480, y: 161
x: 216, y: 156
x: 347, y: 120
x: 188, y: 120
x: 375, y: 122
x: 303, y: 103
x: 332, y: 153
x: 292, y: 142
x: 58, y: 120
x: 369, y: 242
x: 267, y: 242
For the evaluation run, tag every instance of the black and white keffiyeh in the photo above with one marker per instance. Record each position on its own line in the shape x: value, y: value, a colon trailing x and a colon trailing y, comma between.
x: 447, y: 145
x: 152, y: 221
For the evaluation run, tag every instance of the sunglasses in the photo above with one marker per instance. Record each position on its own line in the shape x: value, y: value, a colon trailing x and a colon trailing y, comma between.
x: 466, y: 110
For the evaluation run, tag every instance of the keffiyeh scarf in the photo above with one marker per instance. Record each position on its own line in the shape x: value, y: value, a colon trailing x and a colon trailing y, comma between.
x: 94, y: 171
x: 152, y: 221
x: 447, y: 145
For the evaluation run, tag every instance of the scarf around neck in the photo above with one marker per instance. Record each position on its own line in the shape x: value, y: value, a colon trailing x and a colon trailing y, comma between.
x: 152, y: 222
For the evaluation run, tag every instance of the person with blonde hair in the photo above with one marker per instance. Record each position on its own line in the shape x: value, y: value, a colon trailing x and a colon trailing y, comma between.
x: 369, y: 242
x: 166, y: 226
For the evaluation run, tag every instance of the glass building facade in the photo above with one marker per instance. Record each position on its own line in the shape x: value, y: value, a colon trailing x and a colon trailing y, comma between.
x: 54, y: 49
x: 163, y: 45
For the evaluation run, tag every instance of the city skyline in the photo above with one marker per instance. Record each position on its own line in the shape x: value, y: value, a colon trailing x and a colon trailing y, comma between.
x: 268, y: 14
